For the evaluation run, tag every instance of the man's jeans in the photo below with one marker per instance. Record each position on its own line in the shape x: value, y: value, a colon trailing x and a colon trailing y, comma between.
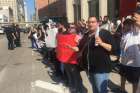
x: 99, y: 82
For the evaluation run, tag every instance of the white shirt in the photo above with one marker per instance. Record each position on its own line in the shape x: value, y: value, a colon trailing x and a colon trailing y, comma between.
x: 50, y: 40
x: 106, y: 26
x: 130, y: 46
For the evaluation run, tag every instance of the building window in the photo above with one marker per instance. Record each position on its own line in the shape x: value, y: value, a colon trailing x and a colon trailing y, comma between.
x: 77, y: 11
x: 93, y: 8
x: 113, y: 9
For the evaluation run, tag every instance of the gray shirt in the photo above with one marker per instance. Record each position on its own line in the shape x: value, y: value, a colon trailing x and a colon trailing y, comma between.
x: 130, y: 49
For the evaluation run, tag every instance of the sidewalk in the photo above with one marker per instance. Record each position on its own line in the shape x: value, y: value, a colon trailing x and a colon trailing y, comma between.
x: 41, y: 82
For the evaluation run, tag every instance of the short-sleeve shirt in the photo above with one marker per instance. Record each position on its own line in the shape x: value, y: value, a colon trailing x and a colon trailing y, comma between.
x: 130, y: 49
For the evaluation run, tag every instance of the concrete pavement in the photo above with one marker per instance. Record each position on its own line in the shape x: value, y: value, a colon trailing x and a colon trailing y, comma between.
x: 20, y: 68
x: 21, y: 71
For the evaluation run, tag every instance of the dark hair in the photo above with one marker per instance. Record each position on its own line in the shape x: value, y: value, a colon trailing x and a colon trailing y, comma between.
x: 45, y: 27
x: 128, y: 26
x: 39, y: 27
x: 64, y: 23
x: 93, y: 17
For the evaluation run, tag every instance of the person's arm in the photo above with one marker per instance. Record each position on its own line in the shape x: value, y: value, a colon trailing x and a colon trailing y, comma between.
x: 106, y: 46
x: 40, y: 34
x: 14, y: 36
x: 42, y: 28
x: 76, y: 49
x: 29, y: 34
x: 17, y: 34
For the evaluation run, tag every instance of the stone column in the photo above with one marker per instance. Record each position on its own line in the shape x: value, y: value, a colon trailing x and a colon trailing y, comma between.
x: 70, y: 11
x: 84, y: 9
x: 103, y: 8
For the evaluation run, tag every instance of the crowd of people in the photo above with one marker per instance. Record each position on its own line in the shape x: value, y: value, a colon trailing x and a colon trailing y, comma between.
x: 69, y: 48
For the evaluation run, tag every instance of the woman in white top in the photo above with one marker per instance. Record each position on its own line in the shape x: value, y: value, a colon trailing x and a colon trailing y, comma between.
x: 130, y: 54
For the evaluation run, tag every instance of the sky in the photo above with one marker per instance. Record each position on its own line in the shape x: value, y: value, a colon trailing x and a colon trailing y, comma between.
x: 30, y: 8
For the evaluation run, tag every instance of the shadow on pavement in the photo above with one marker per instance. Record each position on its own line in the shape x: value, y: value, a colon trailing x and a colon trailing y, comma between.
x: 53, y: 73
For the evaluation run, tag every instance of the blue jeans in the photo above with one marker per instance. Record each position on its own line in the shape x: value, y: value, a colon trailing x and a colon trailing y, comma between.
x: 99, y: 82
x: 34, y: 44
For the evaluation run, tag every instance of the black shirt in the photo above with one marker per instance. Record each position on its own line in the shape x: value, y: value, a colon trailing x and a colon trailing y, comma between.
x: 9, y: 31
x: 96, y: 57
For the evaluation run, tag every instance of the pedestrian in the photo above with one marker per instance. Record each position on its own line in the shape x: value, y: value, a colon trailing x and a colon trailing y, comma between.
x: 50, y: 41
x: 67, y: 42
x: 131, y: 31
x: 40, y: 37
x: 130, y: 54
x: 32, y: 35
x: 18, y: 40
x: 137, y: 19
x: 13, y: 27
x: 106, y: 24
x: 81, y: 28
x: 138, y: 3
x: 94, y: 55
x: 10, y: 36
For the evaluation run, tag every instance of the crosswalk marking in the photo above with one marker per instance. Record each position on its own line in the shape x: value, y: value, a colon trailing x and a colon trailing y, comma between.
x: 49, y: 86
x: 32, y: 52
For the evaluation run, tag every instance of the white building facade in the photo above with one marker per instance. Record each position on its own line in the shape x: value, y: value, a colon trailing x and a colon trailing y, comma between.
x: 6, y: 14
x: 17, y: 6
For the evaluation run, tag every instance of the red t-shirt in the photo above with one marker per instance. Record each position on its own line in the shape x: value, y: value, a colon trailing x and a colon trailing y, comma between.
x: 63, y: 53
